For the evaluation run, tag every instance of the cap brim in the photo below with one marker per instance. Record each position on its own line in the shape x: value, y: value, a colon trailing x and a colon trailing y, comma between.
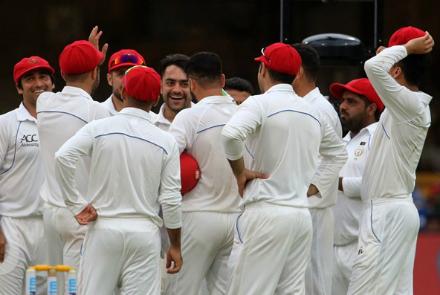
x: 337, y: 89
x: 36, y: 67
x: 127, y: 64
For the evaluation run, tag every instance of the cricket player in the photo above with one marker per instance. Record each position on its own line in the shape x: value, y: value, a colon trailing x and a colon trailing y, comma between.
x: 319, y: 271
x: 22, y: 238
x: 134, y: 170
x: 360, y: 109
x: 211, y: 208
x: 390, y: 223
x: 174, y: 89
x: 60, y: 116
x: 118, y: 63
x: 239, y: 89
x: 284, y: 137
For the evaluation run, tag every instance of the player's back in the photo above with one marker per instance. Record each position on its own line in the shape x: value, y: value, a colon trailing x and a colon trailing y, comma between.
x: 60, y: 116
x: 127, y: 163
x: 202, y: 123
x: 285, y: 147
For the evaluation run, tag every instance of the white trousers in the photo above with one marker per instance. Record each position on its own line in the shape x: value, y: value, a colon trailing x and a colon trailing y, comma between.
x: 65, y: 236
x: 271, y: 250
x: 319, y: 271
x: 344, y: 257
x: 120, y: 252
x: 26, y: 245
x: 386, y: 250
x: 207, y: 239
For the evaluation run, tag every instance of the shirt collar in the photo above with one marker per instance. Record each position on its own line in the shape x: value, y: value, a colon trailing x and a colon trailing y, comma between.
x: 280, y: 87
x: 76, y: 91
x: 216, y: 99
x: 161, y: 118
x: 370, y: 129
x: 24, y: 115
x: 135, y: 112
x: 312, y: 95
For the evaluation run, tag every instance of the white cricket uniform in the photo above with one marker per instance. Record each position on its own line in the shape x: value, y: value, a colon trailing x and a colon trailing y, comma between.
x: 108, y: 103
x: 274, y: 233
x: 160, y: 121
x: 349, y: 207
x: 389, y: 227
x: 319, y: 270
x: 60, y: 116
x: 211, y: 208
x: 134, y: 170
x: 21, y: 176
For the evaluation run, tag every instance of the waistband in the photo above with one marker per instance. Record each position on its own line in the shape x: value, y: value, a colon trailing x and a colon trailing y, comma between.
x: 394, y: 199
x: 264, y: 204
x: 135, y: 224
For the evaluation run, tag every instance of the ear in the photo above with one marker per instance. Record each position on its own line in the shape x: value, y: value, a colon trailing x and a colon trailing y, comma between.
x: 94, y: 73
x: 263, y: 70
x: 109, y: 79
x: 53, y: 87
x: 395, y: 71
x: 222, y: 80
x: 371, y: 109
x: 193, y: 85
x: 19, y: 90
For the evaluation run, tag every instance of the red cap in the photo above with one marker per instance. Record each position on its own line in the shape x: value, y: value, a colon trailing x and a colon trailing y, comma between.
x: 142, y: 83
x: 358, y: 86
x: 281, y: 57
x: 403, y: 35
x: 28, y: 64
x: 125, y: 58
x: 189, y: 172
x: 79, y: 57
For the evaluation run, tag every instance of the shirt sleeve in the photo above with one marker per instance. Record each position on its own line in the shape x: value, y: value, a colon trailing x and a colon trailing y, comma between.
x: 183, y: 130
x: 401, y: 102
x: 245, y: 121
x: 333, y: 157
x: 66, y: 160
x: 352, y: 187
x: 169, y: 192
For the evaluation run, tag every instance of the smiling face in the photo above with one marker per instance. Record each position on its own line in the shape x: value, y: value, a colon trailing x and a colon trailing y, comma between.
x: 175, y: 89
x: 33, y: 83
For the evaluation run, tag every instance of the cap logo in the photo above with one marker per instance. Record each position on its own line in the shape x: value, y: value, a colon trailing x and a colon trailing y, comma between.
x: 33, y: 60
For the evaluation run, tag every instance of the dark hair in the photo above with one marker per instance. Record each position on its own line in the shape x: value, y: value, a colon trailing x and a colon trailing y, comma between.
x: 42, y: 71
x: 240, y: 84
x: 310, y: 60
x: 177, y: 59
x: 414, y: 67
x: 204, y: 67
x: 368, y: 102
x: 280, y: 77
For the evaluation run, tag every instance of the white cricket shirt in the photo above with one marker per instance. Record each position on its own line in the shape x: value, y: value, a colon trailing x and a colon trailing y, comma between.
x: 160, y: 121
x: 390, y: 171
x: 134, y: 169
x: 284, y: 138
x: 198, y: 130
x: 60, y: 116
x: 349, y: 207
x: 326, y: 113
x: 108, y: 103
x: 21, y: 170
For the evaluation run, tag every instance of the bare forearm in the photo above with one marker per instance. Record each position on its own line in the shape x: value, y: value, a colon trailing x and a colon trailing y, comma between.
x: 237, y: 166
x: 174, y: 235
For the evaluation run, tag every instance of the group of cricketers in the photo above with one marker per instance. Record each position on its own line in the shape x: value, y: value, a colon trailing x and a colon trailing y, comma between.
x: 283, y: 205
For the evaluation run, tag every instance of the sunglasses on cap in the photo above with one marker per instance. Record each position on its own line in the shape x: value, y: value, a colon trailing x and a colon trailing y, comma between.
x: 127, y: 58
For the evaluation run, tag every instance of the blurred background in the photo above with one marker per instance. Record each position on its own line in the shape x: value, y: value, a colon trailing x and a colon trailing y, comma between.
x: 237, y: 30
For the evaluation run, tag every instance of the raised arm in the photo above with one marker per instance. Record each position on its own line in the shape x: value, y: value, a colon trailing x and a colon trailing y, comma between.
x: 399, y: 100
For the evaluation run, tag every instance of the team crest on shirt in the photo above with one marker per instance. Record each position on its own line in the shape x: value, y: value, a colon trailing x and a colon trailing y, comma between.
x: 29, y: 140
x: 358, y: 152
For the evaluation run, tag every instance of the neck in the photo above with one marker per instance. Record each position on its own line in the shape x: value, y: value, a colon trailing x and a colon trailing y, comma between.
x: 168, y: 113
x: 116, y: 103
x: 133, y: 103
x: 202, y: 93
x: 87, y: 87
x: 31, y: 108
x: 304, y: 89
